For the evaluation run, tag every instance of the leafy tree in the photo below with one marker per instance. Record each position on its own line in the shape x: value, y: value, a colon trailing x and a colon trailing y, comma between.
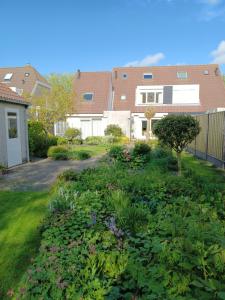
x: 149, y: 114
x: 113, y: 130
x: 177, y: 131
x: 51, y: 107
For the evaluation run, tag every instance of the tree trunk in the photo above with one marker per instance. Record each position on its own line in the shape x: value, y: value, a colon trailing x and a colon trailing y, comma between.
x: 148, y: 130
x: 179, y: 163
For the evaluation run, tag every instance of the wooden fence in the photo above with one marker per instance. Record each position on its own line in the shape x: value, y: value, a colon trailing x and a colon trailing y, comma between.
x: 210, y: 143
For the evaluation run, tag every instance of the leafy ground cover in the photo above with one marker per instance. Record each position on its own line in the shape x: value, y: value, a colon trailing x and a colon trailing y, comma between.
x: 20, y: 214
x: 124, y: 231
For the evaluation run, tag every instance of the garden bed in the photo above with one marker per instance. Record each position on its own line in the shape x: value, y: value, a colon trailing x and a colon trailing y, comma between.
x: 122, y: 231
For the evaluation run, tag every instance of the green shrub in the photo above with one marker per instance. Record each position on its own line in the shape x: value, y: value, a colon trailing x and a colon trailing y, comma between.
x: 60, y: 156
x: 72, y: 134
x: 39, y: 139
x: 141, y: 149
x: 109, y: 139
x: 114, y: 130
x: 57, y: 149
x: 95, y: 140
x: 77, y: 141
x: 68, y: 175
x: 82, y: 155
x: 61, y: 140
x: 119, y: 153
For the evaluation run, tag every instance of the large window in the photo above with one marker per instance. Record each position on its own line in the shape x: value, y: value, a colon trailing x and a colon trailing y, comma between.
x: 151, y: 97
x: 12, y: 125
x: 8, y: 76
x: 88, y: 96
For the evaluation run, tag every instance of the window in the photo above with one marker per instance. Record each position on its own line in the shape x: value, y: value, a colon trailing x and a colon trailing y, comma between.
x: 148, y: 76
x: 27, y: 74
x: 144, y: 127
x: 88, y: 96
x: 8, y: 76
x: 12, y: 125
x: 151, y: 97
x: 124, y: 75
x: 182, y: 75
x: 206, y: 72
x: 123, y: 97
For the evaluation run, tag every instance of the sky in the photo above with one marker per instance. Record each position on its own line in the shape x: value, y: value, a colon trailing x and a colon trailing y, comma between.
x: 61, y: 36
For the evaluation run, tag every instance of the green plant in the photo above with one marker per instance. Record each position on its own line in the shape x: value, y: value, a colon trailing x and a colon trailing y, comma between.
x: 113, y: 130
x: 72, y: 134
x: 60, y: 156
x: 176, y: 132
x: 141, y: 148
x: 57, y: 149
x: 39, y: 139
x: 82, y: 155
x: 68, y: 175
x: 95, y: 140
x: 61, y: 140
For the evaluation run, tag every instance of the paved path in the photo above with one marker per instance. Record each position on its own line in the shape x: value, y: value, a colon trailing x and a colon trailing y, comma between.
x: 40, y: 175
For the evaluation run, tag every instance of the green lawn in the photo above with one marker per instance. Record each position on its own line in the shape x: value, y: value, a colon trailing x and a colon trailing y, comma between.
x: 20, y: 215
x: 93, y: 150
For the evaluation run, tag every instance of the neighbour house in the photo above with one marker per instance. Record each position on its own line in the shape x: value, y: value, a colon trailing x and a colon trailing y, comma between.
x: 14, y: 148
x: 24, y: 80
x: 123, y: 95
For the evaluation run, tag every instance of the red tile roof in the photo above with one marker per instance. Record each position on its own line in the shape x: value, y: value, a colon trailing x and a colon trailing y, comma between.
x: 7, y: 95
x: 212, y: 88
x: 98, y: 83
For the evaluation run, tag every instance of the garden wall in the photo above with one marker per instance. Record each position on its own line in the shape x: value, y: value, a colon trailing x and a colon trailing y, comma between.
x: 210, y: 143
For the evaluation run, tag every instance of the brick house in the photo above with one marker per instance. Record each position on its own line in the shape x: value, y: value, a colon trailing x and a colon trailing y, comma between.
x: 24, y: 80
x: 123, y: 95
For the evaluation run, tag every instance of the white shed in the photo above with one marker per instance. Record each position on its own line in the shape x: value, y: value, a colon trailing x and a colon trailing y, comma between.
x: 14, y: 149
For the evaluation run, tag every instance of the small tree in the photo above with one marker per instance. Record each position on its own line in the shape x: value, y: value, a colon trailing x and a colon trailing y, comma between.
x: 149, y: 114
x: 177, y: 132
x: 113, y: 130
x: 71, y: 134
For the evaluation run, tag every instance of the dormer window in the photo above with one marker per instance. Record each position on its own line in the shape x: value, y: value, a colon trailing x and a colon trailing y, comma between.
x: 182, y: 75
x: 88, y: 96
x: 124, y: 75
x: 27, y: 74
x: 8, y: 76
x: 147, y: 76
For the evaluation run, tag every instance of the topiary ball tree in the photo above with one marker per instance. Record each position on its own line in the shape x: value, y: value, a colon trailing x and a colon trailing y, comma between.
x: 176, y: 132
x: 113, y: 130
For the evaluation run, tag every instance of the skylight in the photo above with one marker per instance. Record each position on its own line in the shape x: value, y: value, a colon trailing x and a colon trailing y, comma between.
x: 8, y: 76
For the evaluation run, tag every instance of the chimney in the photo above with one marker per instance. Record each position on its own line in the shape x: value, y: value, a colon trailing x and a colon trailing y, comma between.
x: 78, y: 74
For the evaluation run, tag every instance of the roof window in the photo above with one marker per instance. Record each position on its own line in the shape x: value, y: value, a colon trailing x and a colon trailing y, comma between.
x: 206, y: 72
x: 147, y: 76
x: 8, y: 76
x: 88, y: 96
x: 182, y: 75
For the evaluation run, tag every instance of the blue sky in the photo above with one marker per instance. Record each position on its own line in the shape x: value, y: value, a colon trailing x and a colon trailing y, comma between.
x: 64, y: 35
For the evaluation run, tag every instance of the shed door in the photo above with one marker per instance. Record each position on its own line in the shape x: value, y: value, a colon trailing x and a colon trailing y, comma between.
x: 86, y: 128
x: 97, y: 127
x: 13, y: 138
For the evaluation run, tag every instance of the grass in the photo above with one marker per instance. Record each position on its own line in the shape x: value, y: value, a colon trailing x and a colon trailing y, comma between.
x: 20, y: 215
x: 93, y: 150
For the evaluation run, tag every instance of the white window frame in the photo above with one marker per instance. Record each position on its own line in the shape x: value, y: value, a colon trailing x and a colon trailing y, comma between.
x: 148, y: 92
x: 123, y: 97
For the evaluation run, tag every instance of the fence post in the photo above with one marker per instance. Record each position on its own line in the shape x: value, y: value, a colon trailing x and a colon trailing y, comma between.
x: 207, y: 138
x: 195, y: 139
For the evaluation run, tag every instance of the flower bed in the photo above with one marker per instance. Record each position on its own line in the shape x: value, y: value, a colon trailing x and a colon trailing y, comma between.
x: 117, y: 232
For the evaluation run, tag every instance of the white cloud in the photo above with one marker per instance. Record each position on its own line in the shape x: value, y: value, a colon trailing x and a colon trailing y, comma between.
x: 219, y: 53
x: 147, y: 61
